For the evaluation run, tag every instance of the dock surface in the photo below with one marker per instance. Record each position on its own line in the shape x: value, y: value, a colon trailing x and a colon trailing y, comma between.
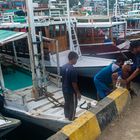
x: 127, y: 126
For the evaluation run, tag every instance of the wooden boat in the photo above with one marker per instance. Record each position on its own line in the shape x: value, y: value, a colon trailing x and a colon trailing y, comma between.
x: 7, y: 125
x: 44, y: 112
x: 103, y: 39
x: 57, y: 30
x: 86, y: 66
x: 133, y: 23
x: 47, y: 109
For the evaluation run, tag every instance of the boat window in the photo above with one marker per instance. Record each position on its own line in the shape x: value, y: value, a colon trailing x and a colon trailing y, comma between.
x: 19, y: 13
x: 63, y: 30
x: 57, y: 30
x: 40, y: 29
x: 100, y: 32
x: 81, y: 32
x: 52, y: 32
x: 89, y: 32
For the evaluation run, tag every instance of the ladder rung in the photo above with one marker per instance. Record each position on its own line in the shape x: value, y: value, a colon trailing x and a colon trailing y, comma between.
x: 74, y: 39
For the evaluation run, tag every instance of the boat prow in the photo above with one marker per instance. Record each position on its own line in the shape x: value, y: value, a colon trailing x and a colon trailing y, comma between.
x: 7, y: 125
x: 86, y: 66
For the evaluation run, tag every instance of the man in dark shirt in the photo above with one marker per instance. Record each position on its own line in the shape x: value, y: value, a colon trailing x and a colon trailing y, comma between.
x: 69, y: 86
x: 135, y: 49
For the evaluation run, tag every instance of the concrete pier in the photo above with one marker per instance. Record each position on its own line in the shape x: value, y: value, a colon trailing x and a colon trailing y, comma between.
x: 127, y: 126
x: 91, y: 124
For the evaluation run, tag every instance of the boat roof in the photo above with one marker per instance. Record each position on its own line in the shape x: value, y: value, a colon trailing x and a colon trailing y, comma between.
x: 10, y: 36
x: 37, y: 24
x: 11, y: 10
x: 134, y: 11
x: 99, y: 24
x: 93, y: 17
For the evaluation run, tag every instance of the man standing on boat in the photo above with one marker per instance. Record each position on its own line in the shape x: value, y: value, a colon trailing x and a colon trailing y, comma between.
x: 70, y: 87
x: 103, y: 79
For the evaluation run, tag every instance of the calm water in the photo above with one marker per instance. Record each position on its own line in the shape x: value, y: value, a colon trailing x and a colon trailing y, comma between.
x: 16, y: 80
x: 28, y: 131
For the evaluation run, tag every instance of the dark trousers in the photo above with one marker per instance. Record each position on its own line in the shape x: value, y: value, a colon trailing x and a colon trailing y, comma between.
x: 70, y: 105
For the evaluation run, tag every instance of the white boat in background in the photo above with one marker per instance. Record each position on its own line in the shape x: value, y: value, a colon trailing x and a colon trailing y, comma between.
x: 86, y: 66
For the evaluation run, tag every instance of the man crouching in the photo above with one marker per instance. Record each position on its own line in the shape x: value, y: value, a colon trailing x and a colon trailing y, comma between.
x: 70, y: 87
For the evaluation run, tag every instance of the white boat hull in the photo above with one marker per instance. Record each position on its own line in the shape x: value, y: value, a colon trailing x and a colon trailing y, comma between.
x: 53, y: 125
x: 42, y: 112
x: 7, y: 125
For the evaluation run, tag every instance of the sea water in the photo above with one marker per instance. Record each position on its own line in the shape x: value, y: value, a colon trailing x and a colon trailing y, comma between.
x: 16, y: 80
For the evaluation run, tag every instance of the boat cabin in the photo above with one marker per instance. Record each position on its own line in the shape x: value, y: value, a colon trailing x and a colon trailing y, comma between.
x: 50, y: 30
x: 97, y: 37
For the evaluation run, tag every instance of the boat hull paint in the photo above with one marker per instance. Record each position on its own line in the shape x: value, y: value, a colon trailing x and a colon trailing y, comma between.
x: 50, y: 124
x: 110, y: 54
x: 9, y: 127
x: 82, y: 71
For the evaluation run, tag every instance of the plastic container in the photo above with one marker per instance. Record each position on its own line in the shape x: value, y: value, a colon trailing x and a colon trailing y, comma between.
x: 118, y: 83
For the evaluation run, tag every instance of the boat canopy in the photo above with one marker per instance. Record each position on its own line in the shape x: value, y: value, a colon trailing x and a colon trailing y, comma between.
x: 99, y: 24
x: 10, y: 36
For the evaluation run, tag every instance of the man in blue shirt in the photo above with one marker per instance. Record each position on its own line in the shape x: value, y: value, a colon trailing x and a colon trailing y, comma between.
x: 135, y: 75
x: 103, y: 79
x: 70, y: 87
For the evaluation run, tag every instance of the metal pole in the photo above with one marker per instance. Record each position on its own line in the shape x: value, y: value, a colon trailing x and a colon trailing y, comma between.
x: 116, y: 8
x: 133, y: 7
x: 42, y: 59
x: 57, y: 58
x: 58, y: 61
x: 107, y: 7
x: 14, y: 49
x: 29, y: 5
x: 30, y: 47
x: 69, y: 26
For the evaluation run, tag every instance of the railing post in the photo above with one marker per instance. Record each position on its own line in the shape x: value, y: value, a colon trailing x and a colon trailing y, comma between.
x: 58, y: 62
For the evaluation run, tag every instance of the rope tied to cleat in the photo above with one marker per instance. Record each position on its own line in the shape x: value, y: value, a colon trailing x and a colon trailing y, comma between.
x: 88, y: 105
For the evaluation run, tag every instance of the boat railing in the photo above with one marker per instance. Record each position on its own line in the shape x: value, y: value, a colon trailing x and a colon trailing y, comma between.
x: 39, y: 20
x: 54, y: 78
x: 97, y: 44
x: 10, y: 59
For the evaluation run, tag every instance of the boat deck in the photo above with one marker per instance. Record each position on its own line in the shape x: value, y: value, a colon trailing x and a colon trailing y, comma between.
x: 43, y: 106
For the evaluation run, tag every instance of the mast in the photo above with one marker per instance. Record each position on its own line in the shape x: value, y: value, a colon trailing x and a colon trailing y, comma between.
x: 107, y: 7
x: 116, y: 10
x: 31, y: 27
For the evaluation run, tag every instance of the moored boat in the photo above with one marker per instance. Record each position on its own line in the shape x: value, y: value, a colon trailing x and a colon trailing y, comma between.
x: 7, y: 125
x: 46, y: 110
x: 103, y: 39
